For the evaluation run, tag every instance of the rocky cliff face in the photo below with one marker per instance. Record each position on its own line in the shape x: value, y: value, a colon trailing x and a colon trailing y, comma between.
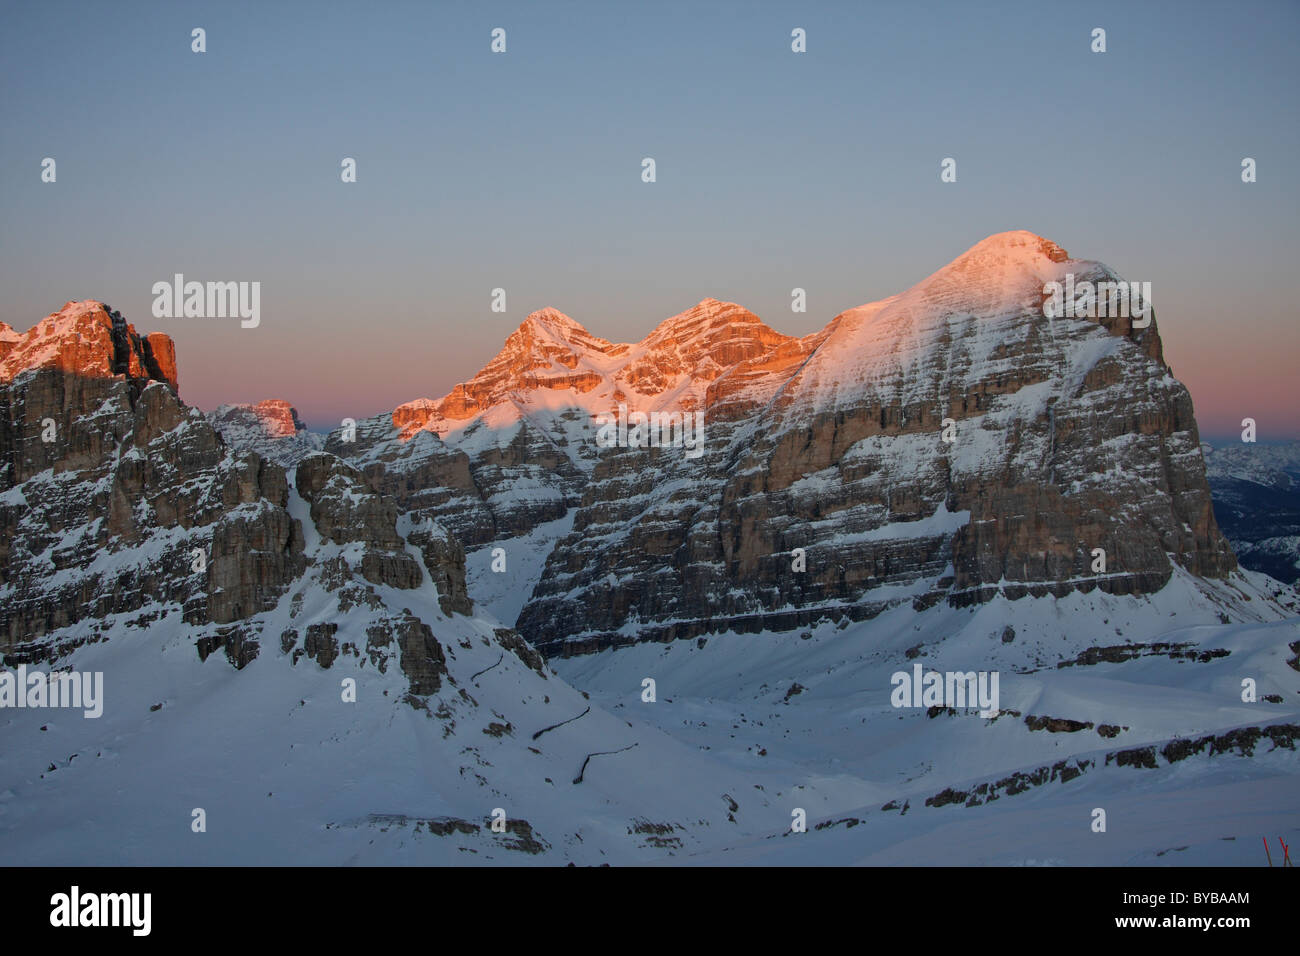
x: 121, y: 507
x: 947, y: 444
x: 90, y: 340
x: 120, y: 500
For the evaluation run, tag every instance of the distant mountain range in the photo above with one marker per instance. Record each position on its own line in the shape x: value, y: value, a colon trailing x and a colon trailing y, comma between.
x: 1256, y: 492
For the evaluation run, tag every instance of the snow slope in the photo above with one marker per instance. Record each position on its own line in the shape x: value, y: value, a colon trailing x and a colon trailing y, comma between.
x: 287, y: 772
x: 838, y: 736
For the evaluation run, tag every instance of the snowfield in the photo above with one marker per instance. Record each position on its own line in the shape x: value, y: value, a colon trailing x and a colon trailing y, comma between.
x: 745, y: 730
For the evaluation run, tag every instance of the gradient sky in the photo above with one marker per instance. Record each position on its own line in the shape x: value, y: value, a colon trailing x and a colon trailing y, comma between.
x: 522, y: 170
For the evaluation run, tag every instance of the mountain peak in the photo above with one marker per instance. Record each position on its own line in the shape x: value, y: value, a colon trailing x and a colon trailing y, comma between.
x: 8, y: 339
x: 706, y: 314
x: 270, y: 427
x: 273, y: 416
x: 1016, y: 244
x: 550, y: 318
x: 548, y: 329
x: 1003, y: 271
x: 88, y: 338
x: 701, y: 342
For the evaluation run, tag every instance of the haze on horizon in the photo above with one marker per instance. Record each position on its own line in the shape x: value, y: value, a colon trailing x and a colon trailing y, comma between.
x: 521, y: 171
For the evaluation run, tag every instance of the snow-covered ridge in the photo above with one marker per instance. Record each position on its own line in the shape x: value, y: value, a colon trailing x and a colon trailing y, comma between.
x: 717, y: 354
x: 551, y: 363
x: 1257, y: 502
x: 1270, y: 465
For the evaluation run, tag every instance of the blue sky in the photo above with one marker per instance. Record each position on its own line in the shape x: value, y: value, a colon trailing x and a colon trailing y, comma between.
x: 522, y: 170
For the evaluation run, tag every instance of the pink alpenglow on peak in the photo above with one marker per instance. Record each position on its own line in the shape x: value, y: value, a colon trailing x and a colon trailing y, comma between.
x: 88, y: 338
x: 271, y: 428
x: 552, y: 361
x: 721, y: 357
x: 277, y: 417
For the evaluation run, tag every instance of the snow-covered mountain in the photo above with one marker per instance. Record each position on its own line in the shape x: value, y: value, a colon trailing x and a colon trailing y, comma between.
x: 551, y: 365
x: 949, y: 443
x: 318, y: 648
x: 89, y: 340
x: 1257, y: 502
x: 256, y: 624
x: 271, y: 428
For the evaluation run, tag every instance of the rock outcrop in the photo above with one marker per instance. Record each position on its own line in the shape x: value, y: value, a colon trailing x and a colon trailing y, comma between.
x: 344, y: 510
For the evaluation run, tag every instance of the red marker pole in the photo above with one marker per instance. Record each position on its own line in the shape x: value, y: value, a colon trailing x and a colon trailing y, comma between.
x: 1270, y: 855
